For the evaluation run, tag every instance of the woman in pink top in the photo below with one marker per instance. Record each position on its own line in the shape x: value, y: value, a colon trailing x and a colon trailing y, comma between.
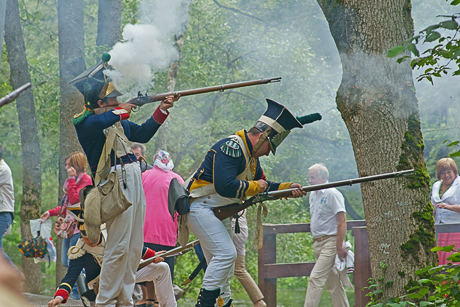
x: 77, y: 178
x: 160, y: 231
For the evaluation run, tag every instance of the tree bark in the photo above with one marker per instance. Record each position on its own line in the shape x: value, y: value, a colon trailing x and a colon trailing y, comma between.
x: 2, y: 25
x: 109, y: 23
x: 31, y: 181
x: 377, y: 102
x: 71, y: 63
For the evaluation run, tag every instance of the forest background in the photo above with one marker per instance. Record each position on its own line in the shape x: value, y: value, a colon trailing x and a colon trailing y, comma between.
x: 221, y: 45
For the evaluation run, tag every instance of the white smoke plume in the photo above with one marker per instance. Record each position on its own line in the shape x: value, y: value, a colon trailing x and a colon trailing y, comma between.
x: 147, y: 47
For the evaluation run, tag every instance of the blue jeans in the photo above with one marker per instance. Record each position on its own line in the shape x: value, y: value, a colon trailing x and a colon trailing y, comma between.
x: 66, y: 244
x: 5, y: 221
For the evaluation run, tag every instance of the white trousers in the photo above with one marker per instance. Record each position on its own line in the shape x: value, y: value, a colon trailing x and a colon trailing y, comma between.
x: 124, y: 244
x: 324, y: 273
x: 160, y: 274
x: 216, y: 241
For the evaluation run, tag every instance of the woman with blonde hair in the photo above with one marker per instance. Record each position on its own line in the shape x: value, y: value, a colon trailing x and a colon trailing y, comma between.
x: 445, y: 197
x: 77, y: 178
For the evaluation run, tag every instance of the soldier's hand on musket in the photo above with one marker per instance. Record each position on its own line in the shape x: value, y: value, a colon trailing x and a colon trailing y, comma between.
x: 55, y: 302
x: 127, y: 106
x: 159, y: 259
x: 263, y: 185
x: 168, y: 102
x: 299, y: 192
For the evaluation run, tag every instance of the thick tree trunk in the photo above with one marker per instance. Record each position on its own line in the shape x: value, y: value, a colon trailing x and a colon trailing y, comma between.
x: 109, y: 23
x: 377, y: 101
x: 71, y: 63
x: 31, y: 181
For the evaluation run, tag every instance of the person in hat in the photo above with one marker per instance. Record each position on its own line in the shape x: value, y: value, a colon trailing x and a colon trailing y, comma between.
x: 103, y: 114
x: 230, y: 172
x: 85, y: 255
x: 160, y: 230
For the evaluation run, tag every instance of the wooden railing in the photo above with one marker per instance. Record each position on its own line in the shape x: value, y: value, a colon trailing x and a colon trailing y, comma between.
x: 269, y: 270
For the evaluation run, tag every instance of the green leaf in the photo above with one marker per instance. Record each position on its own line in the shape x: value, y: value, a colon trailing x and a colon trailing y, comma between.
x: 453, y: 143
x: 430, y: 28
x: 432, y: 36
x: 395, y: 51
x: 449, y: 24
x: 455, y: 154
x: 411, y: 47
x: 455, y: 2
x: 448, y: 248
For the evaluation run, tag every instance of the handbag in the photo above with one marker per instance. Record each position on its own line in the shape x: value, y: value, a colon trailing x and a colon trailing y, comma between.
x: 64, y: 227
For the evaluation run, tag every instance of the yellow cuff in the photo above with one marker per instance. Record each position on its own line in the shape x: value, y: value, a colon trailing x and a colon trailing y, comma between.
x: 253, y: 189
x: 284, y: 186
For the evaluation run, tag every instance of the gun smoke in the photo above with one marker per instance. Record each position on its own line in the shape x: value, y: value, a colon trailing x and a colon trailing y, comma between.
x: 147, y: 47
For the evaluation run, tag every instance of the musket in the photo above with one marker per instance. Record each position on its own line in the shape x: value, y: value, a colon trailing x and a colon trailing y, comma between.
x: 195, y: 272
x: 171, y: 252
x: 224, y: 212
x: 13, y: 95
x: 143, y: 99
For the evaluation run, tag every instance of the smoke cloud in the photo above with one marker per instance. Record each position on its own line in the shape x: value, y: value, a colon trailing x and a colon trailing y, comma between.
x: 147, y: 47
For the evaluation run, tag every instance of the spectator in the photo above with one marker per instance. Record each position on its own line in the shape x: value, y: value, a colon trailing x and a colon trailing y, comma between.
x: 445, y: 197
x: 160, y: 230
x: 328, y: 228
x: 6, y: 200
x: 77, y: 178
x: 138, y: 150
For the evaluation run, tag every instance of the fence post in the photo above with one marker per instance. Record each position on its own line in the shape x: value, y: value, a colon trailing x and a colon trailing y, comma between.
x: 362, y: 271
x: 267, y: 255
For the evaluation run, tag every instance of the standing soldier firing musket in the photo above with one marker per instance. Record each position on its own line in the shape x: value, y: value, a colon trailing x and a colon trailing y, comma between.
x: 230, y: 172
x: 104, y: 119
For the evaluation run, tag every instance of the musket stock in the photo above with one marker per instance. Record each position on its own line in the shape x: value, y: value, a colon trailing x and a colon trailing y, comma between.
x: 224, y: 212
x: 143, y: 99
x: 173, y: 251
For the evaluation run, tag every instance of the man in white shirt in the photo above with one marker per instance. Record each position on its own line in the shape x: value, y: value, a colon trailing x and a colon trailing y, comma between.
x: 328, y: 227
x: 6, y: 199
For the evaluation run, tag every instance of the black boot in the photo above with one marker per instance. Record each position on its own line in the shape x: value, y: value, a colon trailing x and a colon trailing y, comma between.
x: 229, y: 303
x: 207, y: 298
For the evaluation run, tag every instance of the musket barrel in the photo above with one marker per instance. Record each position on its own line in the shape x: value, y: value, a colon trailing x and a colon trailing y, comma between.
x: 217, y: 88
x: 146, y: 262
x: 341, y: 183
x: 14, y: 94
x: 226, y: 211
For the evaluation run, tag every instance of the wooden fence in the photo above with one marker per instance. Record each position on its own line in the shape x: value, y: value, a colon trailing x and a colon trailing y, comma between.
x: 270, y: 270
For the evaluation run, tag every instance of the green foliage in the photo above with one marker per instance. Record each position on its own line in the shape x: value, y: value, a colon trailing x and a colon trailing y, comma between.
x: 437, y: 285
x: 440, y: 58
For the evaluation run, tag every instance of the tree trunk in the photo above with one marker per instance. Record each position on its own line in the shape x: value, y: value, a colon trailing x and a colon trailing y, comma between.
x: 161, y: 139
x: 71, y: 63
x: 2, y: 25
x: 31, y: 182
x: 377, y: 101
x: 109, y: 23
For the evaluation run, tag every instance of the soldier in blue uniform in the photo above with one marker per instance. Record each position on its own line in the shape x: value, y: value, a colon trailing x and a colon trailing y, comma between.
x: 231, y: 172
x: 83, y: 255
x: 103, y: 113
